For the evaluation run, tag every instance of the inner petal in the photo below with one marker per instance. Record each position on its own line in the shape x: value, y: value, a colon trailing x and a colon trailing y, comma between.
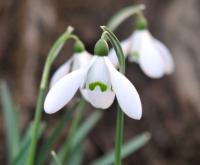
x: 98, y: 75
x: 98, y: 85
x: 100, y: 99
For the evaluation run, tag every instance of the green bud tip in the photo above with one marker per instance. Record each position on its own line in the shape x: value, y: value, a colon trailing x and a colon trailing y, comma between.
x: 141, y: 23
x: 79, y: 47
x: 101, y: 48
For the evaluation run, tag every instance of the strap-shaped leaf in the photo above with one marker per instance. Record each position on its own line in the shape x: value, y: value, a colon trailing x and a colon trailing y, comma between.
x: 76, y: 157
x: 82, y: 132
x: 86, y: 128
x: 10, y: 122
x: 127, y: 149
x: 21, y: 158
x: 47, y: 146
x: 74, y: 126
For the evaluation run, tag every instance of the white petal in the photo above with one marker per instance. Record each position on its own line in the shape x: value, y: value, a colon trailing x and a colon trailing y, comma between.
x: 89, y: 64
x: 99, y: 73
x: 126, y: 44
x: 100, y: 99
x: 127, y: 96
x: 61, y: 71
x: 136, y: 42
x: 63, y: 91
x: 150, y: 61
x: 166, y: 55
x: 81, y: 60
x: 77, y: 61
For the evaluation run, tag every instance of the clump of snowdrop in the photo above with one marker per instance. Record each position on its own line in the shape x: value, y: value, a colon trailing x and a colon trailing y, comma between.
x: 100, y: 82
x: 153, y: 57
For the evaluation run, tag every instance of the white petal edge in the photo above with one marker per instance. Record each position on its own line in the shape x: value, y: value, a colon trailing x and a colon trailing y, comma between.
x: 63, y: 91
x: 166, y: 55
x: 60, y: 72
x: 126, y: 94
x: 126, y: 45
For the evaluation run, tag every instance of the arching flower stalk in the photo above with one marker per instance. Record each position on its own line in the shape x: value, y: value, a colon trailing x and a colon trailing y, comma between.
x: 100, y: 82
x: 53, y: 53
x: 141, y: 47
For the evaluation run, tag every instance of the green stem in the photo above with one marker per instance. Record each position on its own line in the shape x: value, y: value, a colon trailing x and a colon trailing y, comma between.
x: 42, y: 91
x: 123, y: 14
x: 36, y: 124
x: 119, y: 136
x: 120, y: 116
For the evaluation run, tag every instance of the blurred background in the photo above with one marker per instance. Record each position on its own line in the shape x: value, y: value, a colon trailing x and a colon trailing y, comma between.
x: 171, y: 105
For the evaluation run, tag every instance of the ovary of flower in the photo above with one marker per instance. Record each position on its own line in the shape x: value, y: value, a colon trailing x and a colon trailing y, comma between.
x: 77, y: 61
x: 100, y: 81
x: 152, y: 55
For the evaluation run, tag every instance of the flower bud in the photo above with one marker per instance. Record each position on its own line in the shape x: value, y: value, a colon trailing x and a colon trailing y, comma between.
x: 101, y: 48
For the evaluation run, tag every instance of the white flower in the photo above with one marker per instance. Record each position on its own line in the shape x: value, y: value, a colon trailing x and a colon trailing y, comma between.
x: 77, y: 61
x: 153, y: 56
x: 100, y: 82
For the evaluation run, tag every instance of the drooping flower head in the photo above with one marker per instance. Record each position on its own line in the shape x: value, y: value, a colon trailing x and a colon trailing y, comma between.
x: 141, y: 47
x: 79, y: 59
x: 100, y: 82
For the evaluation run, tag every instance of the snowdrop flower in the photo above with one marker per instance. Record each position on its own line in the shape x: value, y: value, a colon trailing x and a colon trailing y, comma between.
x: 100, y: 82
x: 80, y: 58
x: 153, y: 56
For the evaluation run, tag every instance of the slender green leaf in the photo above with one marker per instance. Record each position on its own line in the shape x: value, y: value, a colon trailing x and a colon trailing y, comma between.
x: 10, y: 122
x: 25, y: 142
x: 127, y: 149
x: 47, y: 146
x: 82, y: 132
x: 85, y: 128
x: 76, y: 157
x: 123, y: 14
x: 58, y: 162
x: 74, y: 126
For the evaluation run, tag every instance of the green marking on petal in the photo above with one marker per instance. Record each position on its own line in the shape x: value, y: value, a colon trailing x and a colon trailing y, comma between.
x: 102, y: 86
x: 135, y: 55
